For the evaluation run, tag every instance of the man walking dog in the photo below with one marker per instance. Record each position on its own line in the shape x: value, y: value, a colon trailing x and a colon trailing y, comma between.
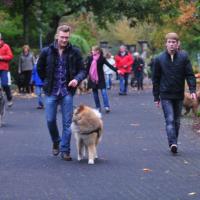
x: 60, y: 66
x: 170, y: 70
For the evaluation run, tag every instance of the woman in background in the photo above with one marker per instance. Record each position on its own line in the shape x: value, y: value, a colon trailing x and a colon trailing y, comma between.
x: 96, y: 80
x: 25, y: 67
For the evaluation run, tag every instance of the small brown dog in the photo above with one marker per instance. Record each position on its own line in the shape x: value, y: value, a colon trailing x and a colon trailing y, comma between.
x: 83, y: 87
x: 87, y: 127
x: 189, y: 103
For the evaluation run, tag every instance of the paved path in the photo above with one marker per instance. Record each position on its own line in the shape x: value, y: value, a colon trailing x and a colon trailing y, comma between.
x: 134, y: 164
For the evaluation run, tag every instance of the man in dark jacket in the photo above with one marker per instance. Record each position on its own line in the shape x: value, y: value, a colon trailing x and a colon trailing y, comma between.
x: 60, y: 66
x: 170, y: 70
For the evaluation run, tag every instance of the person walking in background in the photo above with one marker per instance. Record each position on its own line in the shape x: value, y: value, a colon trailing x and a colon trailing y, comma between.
x: 107, y: 71
x: 25, y: 67
x: 38, y: 83
x: 96, y: 80
x: 170, y: 70
x: 60, y: 66
x: 138, y: 69
x: 6, y: 56
x: 123, y: 62
x: 150, y: 64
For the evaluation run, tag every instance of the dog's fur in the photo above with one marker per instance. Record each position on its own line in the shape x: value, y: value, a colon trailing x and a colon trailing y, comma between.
x: 189, y: 103
x: 2, y: 106
x: 83, y: 87
x: 87, y: 127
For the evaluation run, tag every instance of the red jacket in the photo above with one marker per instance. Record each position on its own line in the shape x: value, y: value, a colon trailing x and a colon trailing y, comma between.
x: 124, y: 63
x: 6, y: 55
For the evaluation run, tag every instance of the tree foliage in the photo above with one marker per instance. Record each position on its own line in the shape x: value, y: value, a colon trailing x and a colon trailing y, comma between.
x: 45, y: 15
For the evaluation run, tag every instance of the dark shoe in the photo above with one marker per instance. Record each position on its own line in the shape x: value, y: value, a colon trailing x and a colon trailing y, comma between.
x: 122, y: 93
x: 66, y: 156
x: 40, y: 107
x: 55, y: 149
x: 173, y: 148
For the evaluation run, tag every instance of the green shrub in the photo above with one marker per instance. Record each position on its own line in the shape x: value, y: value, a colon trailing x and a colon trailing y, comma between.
x: 80, y: 42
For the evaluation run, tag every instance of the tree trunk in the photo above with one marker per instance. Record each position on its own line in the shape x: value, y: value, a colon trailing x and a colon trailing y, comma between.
x: 26, y: 6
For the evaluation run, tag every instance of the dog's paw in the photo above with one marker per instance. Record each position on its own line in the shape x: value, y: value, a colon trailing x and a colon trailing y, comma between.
x: 90, y: 162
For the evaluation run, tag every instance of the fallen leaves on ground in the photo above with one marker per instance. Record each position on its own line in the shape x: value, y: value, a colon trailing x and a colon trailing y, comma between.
x: 192, y: 193
x: 147, y: 170
x: 186, y: 162
x: 135, y: 124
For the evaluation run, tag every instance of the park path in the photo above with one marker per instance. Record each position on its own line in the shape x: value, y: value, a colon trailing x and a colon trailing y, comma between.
x: 134, y: 164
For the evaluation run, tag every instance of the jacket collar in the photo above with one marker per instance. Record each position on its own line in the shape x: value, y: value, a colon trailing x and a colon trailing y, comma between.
x: 54, y: 46
x: 166, y: 52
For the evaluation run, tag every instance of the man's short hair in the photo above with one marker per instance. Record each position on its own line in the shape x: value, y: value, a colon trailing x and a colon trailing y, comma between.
x: 123, y: 46
x: 64, y: 28
x: 172, y: 35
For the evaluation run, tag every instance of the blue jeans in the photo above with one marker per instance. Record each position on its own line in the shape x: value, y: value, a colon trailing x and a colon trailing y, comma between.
x: 4, y: 84
x: 108, y: 80
x: 66, y: 104
x: 139, y: 79
x: 96, y: 98
x: 38, y: 92
x: 123, y: 83
x: 172, y: 113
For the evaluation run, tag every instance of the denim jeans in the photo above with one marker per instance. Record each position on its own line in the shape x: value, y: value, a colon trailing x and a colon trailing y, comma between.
x: 108, y: 80
x: 38, y: 92
x: 66, y: 103
x: 123, y: 83
x: 139, y: 79
x: 4, y: 84
x: 104, y: 96
x: 172, y: 113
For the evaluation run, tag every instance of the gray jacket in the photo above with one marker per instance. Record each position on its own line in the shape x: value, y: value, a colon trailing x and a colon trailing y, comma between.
x: 26, y: 62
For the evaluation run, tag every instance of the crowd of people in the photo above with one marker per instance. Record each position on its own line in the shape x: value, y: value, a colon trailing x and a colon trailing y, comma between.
x: 60, y: 68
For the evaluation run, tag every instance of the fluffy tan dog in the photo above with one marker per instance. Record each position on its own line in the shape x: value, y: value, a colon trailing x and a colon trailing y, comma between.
x: 87, y: 128
x: 83, y: 87
x: 189, y: 103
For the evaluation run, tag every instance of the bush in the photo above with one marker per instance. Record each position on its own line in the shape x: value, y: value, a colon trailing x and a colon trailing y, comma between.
x: 80, y: 42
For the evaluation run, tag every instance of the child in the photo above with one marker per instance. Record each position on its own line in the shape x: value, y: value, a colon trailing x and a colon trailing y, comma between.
x: 38, y: 86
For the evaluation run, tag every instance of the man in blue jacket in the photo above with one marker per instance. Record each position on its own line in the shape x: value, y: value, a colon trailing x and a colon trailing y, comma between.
x: 170, y: 70
x: 60, y: 66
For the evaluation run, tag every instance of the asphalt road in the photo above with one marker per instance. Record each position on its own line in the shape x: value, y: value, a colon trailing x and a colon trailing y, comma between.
x: 135, y: 162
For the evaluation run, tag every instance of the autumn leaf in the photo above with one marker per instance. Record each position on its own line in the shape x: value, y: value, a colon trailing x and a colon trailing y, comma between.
x: 135, y: 124
x: 147, y: 170
x: 192, y: 193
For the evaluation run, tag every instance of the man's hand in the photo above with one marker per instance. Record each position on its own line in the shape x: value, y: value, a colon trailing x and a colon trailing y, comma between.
x: 157, y: 103
x: 193, y: 96
x: 73, y: 83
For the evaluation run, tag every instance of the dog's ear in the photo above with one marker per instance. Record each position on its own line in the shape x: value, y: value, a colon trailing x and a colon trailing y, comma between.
x: 80, y: 108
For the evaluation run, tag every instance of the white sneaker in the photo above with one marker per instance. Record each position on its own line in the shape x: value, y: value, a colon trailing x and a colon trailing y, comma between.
x: 107, y: 109
x: 10, y: 103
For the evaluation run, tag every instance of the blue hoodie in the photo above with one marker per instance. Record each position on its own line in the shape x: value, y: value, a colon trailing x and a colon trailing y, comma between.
x: 35, y: 78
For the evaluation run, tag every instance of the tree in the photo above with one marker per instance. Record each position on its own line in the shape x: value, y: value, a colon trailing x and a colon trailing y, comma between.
x: 45, y: 15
